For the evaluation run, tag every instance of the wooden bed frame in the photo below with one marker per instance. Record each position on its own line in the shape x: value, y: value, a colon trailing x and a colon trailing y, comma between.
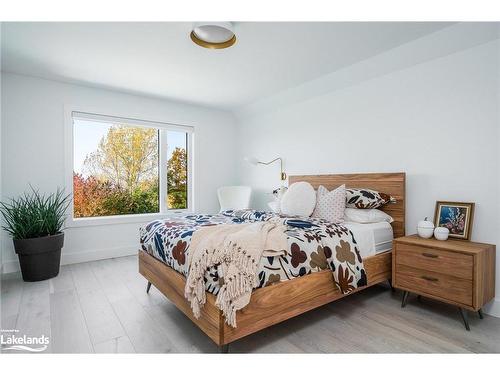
x: 278, y: 302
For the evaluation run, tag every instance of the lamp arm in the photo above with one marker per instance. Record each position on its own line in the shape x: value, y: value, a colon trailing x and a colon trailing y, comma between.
x: 272, y: 161
x: 283, y: 174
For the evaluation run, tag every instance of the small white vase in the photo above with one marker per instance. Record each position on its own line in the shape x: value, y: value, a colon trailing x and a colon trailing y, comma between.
x: 441, y: 233
x: 425, y: 228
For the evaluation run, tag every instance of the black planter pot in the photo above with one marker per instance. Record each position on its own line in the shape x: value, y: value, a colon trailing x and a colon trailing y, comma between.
x: 40, y: 257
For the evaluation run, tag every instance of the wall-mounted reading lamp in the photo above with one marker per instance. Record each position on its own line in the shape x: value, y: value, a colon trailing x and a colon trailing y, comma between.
x: 255, y: 161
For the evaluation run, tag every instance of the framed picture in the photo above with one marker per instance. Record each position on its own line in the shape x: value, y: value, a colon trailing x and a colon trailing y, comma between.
x: 456, y: 216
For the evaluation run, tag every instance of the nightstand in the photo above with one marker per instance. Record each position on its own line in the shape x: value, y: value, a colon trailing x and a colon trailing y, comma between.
x: 461, y: 273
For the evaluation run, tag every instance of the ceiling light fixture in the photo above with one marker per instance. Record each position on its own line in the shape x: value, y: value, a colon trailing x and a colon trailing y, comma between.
x: 213, y: 35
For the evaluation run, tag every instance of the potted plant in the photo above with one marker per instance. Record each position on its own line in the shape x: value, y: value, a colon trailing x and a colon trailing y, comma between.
x: 35, y: 223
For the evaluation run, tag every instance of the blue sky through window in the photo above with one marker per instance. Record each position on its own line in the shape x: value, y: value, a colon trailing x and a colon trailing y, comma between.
x: 87, y: 135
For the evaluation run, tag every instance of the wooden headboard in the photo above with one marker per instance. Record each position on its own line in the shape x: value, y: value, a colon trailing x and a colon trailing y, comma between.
x: 389, y: 183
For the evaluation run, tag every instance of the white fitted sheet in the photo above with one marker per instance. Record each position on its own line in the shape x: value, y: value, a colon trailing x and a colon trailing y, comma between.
x: 372, y: 238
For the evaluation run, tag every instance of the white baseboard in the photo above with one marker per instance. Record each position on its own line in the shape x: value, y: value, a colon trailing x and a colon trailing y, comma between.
x: 10, y: 266
x: 493, y: 308
x: 80, y: 257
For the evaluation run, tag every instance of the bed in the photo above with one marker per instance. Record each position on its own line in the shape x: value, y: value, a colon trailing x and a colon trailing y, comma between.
x: 275, y: 302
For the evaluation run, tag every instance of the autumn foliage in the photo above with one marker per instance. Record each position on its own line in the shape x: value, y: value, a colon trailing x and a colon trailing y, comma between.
x: 97, y: 198
x: 177, y: 179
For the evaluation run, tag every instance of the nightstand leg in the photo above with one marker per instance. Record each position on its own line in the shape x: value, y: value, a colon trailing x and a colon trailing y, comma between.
x: 419, y: 298
x: 148, y: 287
x: 480, y: 312
x: 465, y: 318
x: 405, y: 298
x: 390, y: 284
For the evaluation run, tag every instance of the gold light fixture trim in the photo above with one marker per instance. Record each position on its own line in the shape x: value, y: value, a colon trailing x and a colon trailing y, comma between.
x: 213, y: 45
x: 210, y: 45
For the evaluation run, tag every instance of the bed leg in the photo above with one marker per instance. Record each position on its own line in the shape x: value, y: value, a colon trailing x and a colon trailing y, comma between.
x: 223, y: 349
x: 148, y: 287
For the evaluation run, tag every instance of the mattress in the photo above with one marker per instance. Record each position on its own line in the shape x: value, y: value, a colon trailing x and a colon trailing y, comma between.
x: 373, y: 238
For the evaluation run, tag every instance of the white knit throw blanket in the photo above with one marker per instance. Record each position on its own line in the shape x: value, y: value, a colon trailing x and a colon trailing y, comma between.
x: 237, y: 249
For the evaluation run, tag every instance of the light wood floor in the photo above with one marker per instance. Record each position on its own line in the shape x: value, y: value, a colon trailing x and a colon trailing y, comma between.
x: 102, y: 307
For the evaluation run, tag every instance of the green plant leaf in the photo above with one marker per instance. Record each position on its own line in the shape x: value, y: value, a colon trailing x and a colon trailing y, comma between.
x: 33, y: 214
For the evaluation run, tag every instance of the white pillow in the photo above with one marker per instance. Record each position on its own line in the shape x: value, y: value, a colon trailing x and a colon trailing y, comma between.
x: 330, y: 205
x: 365, y: 216
x: 299, y: 200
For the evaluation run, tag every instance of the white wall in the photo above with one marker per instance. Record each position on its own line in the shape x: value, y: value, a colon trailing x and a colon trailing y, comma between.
x: 33, y: 152
x: 437, y: 121
x: 1, y: 231
x: 495, y: 308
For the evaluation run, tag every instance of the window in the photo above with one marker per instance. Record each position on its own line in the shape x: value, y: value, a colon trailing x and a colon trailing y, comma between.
x: 129, y: 167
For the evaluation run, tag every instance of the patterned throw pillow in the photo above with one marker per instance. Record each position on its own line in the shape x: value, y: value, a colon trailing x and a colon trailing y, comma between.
x: 330, y: 205
x: 366, y: 198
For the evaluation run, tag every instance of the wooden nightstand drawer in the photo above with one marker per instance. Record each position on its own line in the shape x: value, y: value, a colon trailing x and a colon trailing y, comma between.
x: 443, y: 286
x: 440, y: 261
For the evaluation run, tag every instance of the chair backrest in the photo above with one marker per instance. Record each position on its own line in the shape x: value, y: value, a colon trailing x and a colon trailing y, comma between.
x: 234, y: 197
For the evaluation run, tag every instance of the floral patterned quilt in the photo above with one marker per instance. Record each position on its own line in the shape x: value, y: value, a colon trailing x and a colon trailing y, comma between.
x: 313, y: 245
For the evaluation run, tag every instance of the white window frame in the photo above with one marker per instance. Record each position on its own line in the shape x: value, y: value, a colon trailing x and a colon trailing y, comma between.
x: 71, y: 113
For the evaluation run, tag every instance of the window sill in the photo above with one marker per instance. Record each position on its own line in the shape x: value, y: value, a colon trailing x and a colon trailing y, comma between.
x: 122, y: 219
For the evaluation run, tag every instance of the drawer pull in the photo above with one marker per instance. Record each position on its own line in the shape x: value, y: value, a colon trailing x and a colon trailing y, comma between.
x: 429, y: 255
x: 428, y: 278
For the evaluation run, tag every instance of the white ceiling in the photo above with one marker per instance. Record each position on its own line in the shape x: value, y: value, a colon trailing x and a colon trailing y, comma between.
x: 159, y: 59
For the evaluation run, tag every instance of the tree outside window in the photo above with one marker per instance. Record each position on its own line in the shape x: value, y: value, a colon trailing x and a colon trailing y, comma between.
x: 116, y: 169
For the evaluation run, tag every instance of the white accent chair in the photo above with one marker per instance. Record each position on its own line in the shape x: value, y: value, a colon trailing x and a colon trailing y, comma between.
x: 234, y: 197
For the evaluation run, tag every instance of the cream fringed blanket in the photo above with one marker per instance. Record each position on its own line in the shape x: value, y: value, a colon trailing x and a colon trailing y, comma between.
x: 237, y: 249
